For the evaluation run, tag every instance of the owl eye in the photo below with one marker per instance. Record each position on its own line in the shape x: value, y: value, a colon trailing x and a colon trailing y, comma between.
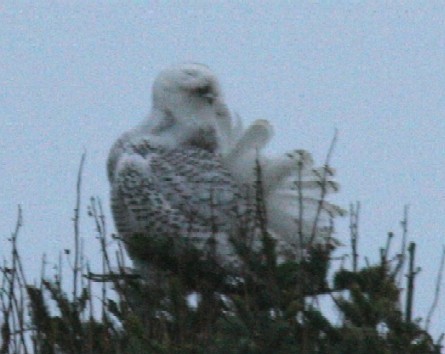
x: 204, y: 90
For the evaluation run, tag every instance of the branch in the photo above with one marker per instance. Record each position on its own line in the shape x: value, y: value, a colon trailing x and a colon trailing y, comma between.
x: 323, y: 185
x: 353, y: 226
x: 411, y: 275
x: 76, y: 221
x: 437, y: 290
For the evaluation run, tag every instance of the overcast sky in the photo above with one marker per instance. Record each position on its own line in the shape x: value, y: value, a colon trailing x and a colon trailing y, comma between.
x: 76, y: 74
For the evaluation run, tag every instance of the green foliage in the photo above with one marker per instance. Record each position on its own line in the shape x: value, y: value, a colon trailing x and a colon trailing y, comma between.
x: 264, y: 307
x: 266, y: 311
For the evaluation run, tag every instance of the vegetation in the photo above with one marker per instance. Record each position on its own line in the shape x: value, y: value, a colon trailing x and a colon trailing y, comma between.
x: 195, y: 306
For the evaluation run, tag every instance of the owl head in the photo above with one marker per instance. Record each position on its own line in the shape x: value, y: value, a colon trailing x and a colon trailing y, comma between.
x: 187, y: 100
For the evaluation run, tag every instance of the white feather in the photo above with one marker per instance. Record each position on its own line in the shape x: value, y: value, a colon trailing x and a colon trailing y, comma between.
x: 190, y: 140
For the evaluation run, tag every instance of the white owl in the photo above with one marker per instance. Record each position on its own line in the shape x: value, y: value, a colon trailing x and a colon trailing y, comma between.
x: 188, y: 171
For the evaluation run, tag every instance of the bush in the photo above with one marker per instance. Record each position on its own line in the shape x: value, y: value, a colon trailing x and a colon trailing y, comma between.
x: 269, y: 307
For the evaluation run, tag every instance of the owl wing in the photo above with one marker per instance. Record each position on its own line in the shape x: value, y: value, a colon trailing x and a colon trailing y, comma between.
x: 171, y: 192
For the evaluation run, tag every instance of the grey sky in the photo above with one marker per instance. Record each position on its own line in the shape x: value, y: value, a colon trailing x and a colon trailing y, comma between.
x: 75, y: 74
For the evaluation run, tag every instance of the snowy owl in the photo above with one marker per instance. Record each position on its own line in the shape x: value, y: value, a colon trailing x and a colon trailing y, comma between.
x: 188, y: 172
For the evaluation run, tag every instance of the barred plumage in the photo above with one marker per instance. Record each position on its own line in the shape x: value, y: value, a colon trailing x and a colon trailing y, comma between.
x: 188, y: 171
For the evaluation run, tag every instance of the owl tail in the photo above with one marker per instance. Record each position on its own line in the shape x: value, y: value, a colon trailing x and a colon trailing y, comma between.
x: 298, y: 211
x: 295, y: 191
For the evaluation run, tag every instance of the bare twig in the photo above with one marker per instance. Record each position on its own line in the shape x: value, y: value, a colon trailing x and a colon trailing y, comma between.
x: 96, y: 212
x: 398, y: 271
x: 385, y: 251
x: 259, y: 198
x: 76, y: 221
x: 437, y: 290
x: 323, y: 186
x: 300, y: 206
x: 410, y: 286
x: 13, y: 304
x: 354, y: 212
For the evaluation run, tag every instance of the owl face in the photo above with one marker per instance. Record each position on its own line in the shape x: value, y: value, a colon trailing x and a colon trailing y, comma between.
x: 190, y: 98
x: 187, y: 88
